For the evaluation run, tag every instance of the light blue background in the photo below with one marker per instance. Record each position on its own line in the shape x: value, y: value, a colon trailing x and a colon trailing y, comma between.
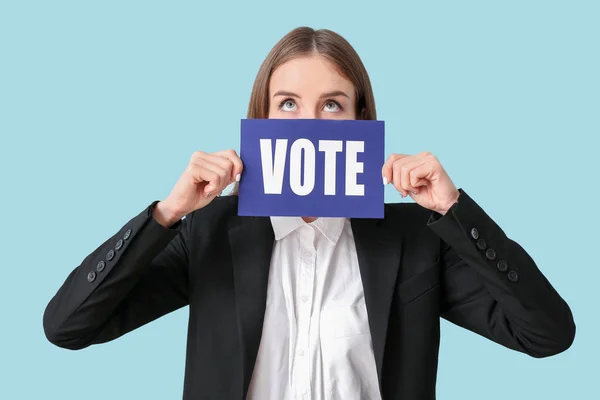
x: 102, y: 103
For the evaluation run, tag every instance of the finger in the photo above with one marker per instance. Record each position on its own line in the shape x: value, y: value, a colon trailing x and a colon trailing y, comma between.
x: 407, y: 171
x: 386, y: 170
x: 238, y: 166
x: 401, y: 170
x: 230, y: 155
x: 222, y: 163
x: 199, y: 174
x: 197, y: 155
x: 222, y: 177
x: 420, y: 175
x: 212, y: 173
x: 396, y: 176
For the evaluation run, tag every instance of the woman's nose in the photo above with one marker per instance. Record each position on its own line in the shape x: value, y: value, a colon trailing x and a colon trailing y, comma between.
x: 308, y: 113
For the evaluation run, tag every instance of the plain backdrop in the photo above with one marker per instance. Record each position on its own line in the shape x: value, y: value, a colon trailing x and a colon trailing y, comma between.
x: 102, y: 104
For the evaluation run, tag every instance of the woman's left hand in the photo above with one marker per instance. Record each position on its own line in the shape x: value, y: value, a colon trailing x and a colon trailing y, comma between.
x: 423, y: 178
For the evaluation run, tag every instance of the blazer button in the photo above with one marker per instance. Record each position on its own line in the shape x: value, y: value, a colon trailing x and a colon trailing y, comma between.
x: 110, y: 255
x: 513, y: 276
x: 91, y: 276
x: 119, y: 244
x: 502, y: 266
x: 127, y: 234
x: 474, y: 233
x: 100, y: 266
x: 481, y: 244
x: 490, y: 254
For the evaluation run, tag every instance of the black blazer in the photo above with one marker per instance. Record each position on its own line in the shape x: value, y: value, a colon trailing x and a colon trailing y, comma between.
x: 416, y: 266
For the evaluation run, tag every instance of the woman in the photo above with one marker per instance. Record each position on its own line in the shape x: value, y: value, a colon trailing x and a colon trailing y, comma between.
x: 322, y: 308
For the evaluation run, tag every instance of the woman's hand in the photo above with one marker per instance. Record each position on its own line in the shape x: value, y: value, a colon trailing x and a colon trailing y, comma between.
x: 204, y: 178
x: 423, y: 178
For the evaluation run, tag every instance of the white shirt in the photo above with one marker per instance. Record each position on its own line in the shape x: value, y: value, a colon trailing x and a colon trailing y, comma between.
x: 316, y: 342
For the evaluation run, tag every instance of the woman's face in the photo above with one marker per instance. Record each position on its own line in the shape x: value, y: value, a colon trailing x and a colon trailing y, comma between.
x: 310, y: 88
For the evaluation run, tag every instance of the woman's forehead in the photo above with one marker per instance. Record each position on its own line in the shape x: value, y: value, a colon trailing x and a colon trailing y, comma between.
x: 310, y: 76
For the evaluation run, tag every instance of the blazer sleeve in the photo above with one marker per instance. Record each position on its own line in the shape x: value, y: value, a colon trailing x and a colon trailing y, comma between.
x: 494, y: 288
x: 134, y: 277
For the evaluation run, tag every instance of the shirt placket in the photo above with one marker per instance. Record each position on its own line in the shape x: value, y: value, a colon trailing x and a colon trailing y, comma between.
x: 306, y: 280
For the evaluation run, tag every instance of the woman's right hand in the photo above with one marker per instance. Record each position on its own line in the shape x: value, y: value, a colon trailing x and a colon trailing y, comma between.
x: 204, y: 178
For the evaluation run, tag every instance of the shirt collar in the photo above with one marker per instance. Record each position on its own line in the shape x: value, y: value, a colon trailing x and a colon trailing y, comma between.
x: 331, y: 228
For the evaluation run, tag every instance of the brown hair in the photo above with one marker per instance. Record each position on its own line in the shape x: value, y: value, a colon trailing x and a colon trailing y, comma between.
x: 304, y: 41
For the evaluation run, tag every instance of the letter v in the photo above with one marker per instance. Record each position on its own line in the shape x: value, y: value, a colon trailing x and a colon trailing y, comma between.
x: 273, y: 170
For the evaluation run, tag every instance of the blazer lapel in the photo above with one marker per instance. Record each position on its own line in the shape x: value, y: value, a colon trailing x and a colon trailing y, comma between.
x: 379, y: 251
x: 251, y: 240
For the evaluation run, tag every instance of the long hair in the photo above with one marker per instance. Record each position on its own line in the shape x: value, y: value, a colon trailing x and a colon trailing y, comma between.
x: 305, y: 41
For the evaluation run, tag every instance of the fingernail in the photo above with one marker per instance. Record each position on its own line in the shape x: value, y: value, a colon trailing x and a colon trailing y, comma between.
x: 385, y: 180
x: 238, y: 177
x: 414, y: 192
x: 207, y: 195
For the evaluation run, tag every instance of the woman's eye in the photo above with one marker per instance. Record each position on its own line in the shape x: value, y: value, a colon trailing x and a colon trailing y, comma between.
x: 332, y: 106
x: 288, y: 105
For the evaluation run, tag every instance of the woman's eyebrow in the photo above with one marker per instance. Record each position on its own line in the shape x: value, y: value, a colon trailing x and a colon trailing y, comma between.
x: 285, y: 93
x: 328, y: 94
x: 334, y: 93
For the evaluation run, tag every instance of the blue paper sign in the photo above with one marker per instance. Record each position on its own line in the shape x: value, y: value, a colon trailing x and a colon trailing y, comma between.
x: 312, y: 168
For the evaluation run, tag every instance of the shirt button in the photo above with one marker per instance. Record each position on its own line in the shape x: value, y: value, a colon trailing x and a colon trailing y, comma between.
x: 304, y: 299
x: 308, y: 255
x: 301, y: 353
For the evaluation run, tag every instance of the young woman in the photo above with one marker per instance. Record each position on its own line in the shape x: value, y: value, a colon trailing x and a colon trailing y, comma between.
x: 319, y: 308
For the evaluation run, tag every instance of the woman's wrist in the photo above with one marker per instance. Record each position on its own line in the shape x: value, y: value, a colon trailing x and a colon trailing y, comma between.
x: 165, y: 214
